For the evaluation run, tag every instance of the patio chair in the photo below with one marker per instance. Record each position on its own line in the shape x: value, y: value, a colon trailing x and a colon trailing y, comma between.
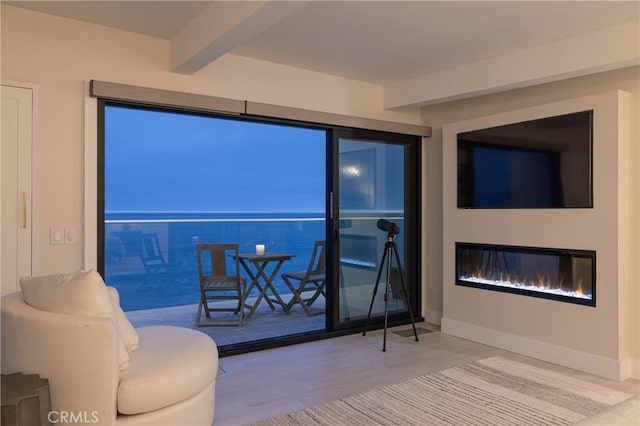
x: 219, y: 284
x: 312, y: 279
x: 151, y: 254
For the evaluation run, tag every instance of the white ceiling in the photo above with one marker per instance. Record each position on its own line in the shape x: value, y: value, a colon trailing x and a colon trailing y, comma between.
x: 376, y: 41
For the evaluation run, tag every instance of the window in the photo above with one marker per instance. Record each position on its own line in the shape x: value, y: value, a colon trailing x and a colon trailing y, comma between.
x: 172, y: 180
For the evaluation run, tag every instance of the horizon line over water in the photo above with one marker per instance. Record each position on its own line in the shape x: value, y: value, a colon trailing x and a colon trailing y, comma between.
x: 208, y: 216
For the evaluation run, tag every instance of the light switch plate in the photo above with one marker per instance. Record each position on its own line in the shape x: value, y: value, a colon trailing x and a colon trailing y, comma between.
x: 56, y: 235
x: 70, y: 236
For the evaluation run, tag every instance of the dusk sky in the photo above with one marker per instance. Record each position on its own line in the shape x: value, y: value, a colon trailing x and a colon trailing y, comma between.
x: 160, y: 161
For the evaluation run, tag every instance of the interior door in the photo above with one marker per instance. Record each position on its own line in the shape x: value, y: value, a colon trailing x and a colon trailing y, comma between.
x: 16, y: 164
x: 375, y: 178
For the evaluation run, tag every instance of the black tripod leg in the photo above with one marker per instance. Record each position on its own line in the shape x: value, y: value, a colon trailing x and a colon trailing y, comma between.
x: 404, y: 291
x: 375, y: 291
x: 386, y: 297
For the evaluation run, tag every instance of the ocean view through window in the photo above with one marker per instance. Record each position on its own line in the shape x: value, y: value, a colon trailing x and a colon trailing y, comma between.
x: 151, y: 257
x: 173, y: 180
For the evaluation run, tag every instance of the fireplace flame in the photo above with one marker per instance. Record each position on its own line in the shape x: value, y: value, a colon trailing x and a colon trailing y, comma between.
x: 486, y: 269
x: 542, y: 282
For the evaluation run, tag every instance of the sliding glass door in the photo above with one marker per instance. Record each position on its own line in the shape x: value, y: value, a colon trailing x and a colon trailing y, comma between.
x: 172, y: 179
x: 375, y: 198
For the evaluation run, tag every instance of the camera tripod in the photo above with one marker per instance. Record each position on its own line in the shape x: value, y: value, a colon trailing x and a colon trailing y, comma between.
x: 390, y: 247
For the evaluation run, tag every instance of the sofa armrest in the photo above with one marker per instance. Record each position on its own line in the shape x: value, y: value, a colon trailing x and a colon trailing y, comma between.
x: 78, y: 354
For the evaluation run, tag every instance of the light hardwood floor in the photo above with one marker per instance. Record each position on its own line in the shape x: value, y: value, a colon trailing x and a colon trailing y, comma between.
x: 264, y: 384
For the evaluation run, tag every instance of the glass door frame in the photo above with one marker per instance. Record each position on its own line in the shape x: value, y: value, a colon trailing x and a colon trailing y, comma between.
x: 412, y: 210
x: 412, y: 228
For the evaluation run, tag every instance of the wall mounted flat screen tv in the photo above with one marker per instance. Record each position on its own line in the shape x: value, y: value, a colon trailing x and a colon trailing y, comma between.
x: 542, y: 163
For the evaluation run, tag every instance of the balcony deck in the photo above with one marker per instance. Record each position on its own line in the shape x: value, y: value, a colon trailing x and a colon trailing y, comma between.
x: 264, y: 324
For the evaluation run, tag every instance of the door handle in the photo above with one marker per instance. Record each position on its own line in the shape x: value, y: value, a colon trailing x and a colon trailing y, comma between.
x: 331, y: 205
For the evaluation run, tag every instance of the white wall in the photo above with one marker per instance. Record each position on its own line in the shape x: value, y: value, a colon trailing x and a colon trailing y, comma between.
x: 605, y: 337
x: 589, y: 330
x: 61, y: 54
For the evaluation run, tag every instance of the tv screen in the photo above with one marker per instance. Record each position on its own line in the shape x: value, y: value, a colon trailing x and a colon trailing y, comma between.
x: 543, y: 163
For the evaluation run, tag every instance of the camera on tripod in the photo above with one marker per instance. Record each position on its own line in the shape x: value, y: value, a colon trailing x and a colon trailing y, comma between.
x: 390, y: 227
x: 390, y: 253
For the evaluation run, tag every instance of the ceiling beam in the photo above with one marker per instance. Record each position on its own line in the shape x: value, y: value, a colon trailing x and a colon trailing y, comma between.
x: 221, y: 27
x: 603, y: 50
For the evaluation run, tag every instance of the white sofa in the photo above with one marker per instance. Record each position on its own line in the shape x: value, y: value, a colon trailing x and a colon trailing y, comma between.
x: 169, y: 380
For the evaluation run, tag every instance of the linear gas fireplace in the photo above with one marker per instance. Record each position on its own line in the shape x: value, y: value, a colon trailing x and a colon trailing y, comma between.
x: 557, y: 274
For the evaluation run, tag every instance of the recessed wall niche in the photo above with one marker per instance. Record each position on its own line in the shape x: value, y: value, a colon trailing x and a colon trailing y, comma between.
x: 572, y: 334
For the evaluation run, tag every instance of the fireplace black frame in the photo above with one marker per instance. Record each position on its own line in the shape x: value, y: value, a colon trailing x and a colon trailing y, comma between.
x: 529, y: 250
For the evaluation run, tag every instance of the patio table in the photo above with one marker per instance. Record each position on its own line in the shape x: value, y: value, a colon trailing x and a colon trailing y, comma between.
x: 255, y: 265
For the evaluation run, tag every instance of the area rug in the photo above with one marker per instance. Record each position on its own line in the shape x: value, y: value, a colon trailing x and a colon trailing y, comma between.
x: 492, y: 391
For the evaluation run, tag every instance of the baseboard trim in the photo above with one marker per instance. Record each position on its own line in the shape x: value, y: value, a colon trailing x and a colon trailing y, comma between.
x: 583, y: 361
x: 631, y: 368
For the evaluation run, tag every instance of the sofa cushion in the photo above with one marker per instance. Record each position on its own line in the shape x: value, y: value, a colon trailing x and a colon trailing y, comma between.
x: 127, y: 331
x: 171, y: 364
x: 80, y: 293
